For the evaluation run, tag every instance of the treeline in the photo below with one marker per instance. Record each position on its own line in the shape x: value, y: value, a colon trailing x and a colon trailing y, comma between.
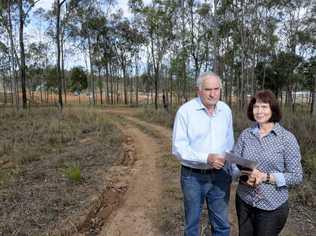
x: 160, y: 48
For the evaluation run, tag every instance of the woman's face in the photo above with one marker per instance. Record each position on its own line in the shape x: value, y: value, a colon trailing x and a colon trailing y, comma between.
x: 262, y: 112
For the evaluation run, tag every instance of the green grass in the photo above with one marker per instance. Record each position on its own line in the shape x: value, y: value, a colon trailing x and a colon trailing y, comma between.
x: 72, y: 172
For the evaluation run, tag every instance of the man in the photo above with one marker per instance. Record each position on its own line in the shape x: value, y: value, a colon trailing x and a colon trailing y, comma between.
x: 202, y: 132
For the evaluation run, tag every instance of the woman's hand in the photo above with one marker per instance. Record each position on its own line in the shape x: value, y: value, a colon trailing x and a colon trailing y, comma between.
x: 255, y: 177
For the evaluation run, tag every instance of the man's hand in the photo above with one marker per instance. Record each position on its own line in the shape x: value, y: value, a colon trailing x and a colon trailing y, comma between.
x: 216, y: 161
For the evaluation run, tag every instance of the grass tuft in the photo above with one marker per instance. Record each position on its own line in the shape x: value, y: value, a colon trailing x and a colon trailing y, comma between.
x: 73, y: 172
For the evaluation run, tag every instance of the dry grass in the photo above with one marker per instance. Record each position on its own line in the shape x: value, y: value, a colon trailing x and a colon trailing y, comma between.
x: 40, y: 152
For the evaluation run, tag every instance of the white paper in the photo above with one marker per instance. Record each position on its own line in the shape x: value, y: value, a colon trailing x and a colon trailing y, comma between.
x: 233, y: 158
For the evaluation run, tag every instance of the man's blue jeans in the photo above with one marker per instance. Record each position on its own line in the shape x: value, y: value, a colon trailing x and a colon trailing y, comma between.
x: 213, y: 187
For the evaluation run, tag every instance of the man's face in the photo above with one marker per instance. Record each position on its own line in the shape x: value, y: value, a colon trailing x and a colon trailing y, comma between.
x: 210, y: 92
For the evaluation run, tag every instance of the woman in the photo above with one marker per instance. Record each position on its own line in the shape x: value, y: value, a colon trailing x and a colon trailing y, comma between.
x: 262, y: 197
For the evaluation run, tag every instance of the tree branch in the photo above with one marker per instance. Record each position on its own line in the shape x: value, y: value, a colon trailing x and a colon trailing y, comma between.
x: 29, y: 9
x: 62, y: 2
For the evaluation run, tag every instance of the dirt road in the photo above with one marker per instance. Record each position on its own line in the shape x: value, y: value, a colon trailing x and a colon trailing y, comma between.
x: 144, y: 189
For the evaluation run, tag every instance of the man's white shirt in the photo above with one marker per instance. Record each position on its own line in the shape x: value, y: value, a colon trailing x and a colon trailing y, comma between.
x: 196, y: 134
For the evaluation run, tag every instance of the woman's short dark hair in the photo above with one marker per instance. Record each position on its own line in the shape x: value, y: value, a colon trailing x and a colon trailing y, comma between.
x: 265, y: 96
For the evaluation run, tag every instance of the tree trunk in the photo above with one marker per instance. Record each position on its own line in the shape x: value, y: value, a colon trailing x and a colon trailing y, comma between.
x: 131, y: 90
x: 23, y: 68
x: 124, y: 83
x: 117, y: 91
x: 171, y: 92
x: 60, y: 98
x: 63, y: 68
x: 136, y: 82
x: 101, y: 87
x: 156, y: 88
x: 313, y: 103
x: 91, y: 71
x: 111, y: 84
x: 242, y: 76
x: 107, y: 84
x: 216, y: 40
x: 13, y: 59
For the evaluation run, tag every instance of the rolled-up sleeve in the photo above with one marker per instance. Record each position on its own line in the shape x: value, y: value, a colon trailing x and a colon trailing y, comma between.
x: 293, y: 173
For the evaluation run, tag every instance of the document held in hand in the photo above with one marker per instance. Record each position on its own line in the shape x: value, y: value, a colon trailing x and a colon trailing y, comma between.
x: 242, y: 163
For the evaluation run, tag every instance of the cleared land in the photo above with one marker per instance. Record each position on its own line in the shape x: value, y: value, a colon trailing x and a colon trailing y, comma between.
x: 128, y: 182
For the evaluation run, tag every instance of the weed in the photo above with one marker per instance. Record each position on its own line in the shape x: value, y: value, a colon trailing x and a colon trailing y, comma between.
x: 73, y: 172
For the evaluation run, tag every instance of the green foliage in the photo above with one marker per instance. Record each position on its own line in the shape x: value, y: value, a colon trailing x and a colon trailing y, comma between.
x: 73, y: 172
x: 51, y: 77
x: 78, y: 78
x: 280, y: 73
x: 308, y: 72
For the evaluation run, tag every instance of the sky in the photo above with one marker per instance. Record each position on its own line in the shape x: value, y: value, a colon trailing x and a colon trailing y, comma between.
x: 36, y: 32
x: 123, y: 4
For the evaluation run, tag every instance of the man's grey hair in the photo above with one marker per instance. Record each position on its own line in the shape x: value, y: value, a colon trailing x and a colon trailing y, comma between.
x: 203, y: 76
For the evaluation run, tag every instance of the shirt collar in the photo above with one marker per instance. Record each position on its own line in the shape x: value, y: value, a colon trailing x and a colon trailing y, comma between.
x: 276, y: 129
x: 200, y: 106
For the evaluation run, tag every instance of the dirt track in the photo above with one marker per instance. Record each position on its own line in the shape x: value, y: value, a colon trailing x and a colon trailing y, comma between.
x: 143, y: 192
x: 141, y: 203
x: 140, y: 210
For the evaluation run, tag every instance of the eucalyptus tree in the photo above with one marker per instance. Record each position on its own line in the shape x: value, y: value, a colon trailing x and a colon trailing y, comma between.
x: 122, y: 44
x: 266, y: 43
x: 37, y: 62
x: 57, y: 21
x: 247, y: 39
x: 4, y: 69
x: 126, y: 44
x: 293, y: 31
x: 58, y: 6
x: 199, y: 22
x: 86, y: 29
x: 66, y: 11
x: 9, y: 18
x: 312, y: 74
x: 105, y: 56
x: 24, y: 8
x: 101, y: 51
x: 158, y: 24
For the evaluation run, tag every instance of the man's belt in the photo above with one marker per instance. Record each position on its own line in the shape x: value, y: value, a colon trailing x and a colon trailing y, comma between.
x: 198, y: 171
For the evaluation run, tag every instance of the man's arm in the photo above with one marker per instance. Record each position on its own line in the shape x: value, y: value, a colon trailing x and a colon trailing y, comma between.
x: 230, y: 134
x: 181, y: 143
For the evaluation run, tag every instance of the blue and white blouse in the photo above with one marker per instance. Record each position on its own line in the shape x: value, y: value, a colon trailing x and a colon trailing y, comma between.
x: 277, y: 153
